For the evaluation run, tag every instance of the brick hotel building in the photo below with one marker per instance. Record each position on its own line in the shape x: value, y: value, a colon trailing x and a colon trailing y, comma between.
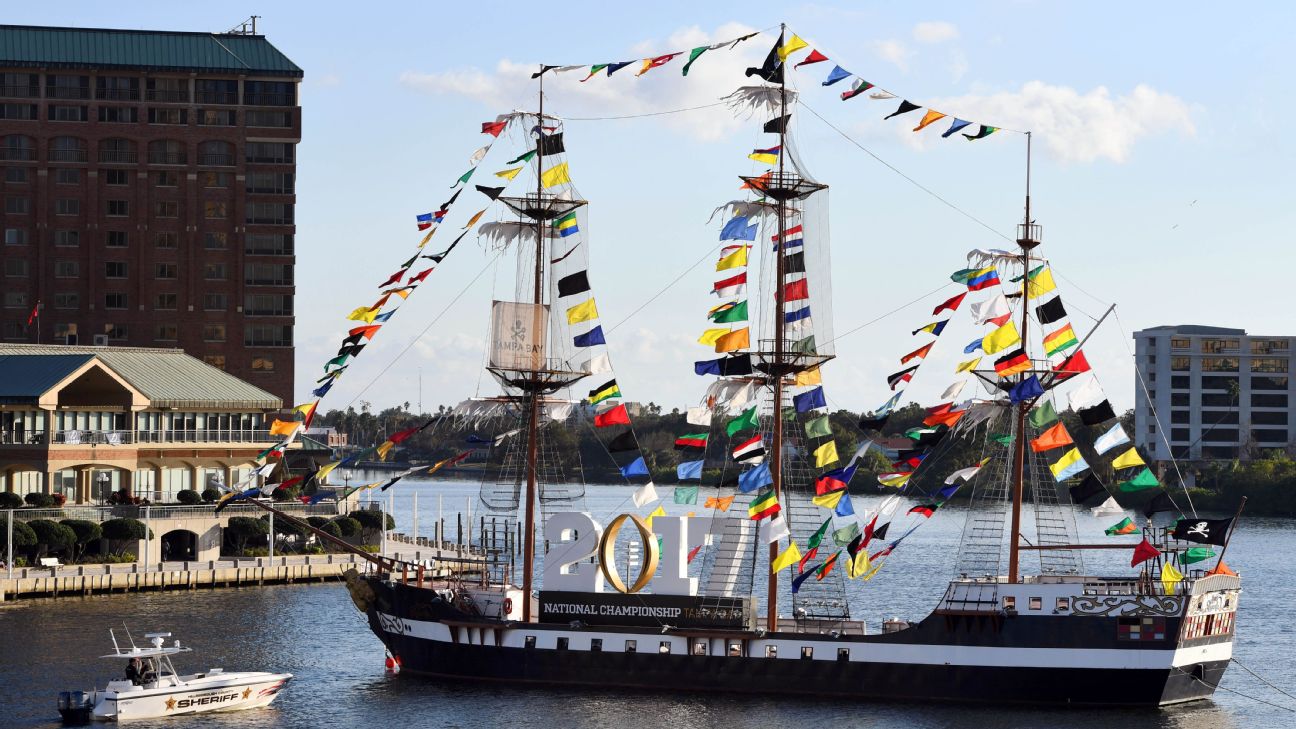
x: 149, y: 183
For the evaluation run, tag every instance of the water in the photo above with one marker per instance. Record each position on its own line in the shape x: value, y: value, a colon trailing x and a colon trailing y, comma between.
x: 316, y: 633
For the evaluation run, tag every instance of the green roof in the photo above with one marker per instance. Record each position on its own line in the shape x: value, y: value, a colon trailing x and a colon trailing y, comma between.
x: 38, y: 46
x: 167, y: 377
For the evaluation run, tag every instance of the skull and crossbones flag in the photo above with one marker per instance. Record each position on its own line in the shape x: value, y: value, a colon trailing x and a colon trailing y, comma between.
x: 1203, y: 531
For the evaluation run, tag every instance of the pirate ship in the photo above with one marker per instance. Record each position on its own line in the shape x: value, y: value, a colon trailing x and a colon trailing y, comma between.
x: 741, y: 600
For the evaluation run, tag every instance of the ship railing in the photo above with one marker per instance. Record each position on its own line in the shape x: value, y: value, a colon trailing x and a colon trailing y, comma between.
x: 824, y: 627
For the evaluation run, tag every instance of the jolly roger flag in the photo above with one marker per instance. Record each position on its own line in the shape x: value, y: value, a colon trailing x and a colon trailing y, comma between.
x: 551, y: 144
x: 772, y: 69
x: 1051, y: 310
x: 1203, y: 531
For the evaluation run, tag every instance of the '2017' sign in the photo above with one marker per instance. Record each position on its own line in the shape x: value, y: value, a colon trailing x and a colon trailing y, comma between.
x: 575, y: 536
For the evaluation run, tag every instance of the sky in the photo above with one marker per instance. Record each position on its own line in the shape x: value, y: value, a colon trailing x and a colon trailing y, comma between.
x: 1161, y: 171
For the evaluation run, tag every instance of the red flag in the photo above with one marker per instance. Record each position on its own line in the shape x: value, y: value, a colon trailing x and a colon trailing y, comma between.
x: 868, y: 532
x: 796, y: 290
x: 917, y: 353
x: 420, y: 275
x: 808, y: 556
x: 1071, y: 366
x: 395, y: 277
x: 35, y: 313
x: 694, y: 552
x: 789, y: 233
x: 1143, y: 552
x: 612, y: 416
x: 366, y: 332
x: 1000, y: 320
x: 951, y: 304
x: 814, y: 57
x: 493, y: 128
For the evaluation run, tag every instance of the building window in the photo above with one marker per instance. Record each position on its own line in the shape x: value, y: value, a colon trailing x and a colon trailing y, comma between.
x: 1215, y: 382
x: 1010, y: 602
x: 118, y: 114
x: 215, y: 360
x: 67, y: 300
x: 166, y: 179
x: 68, y: 113
x: 166, y: 302
x: 67, y: 176
x: 115, y: 269
x: 267, y: 335
x: 172, y: 90
x: 166, y: 332
x: 15, y: 299
x: 216, y: 91
x: 116, y: 331
x: 216, y: 118
x: 116, y: 238
x: 700, y: 647
x: 1269, y: 346
x: 1180, y: 417
x: 215, y: 302
x: 269, y: 93
x: 215, y: 180
x: 268, y: 244
x: 67, y: 206
x: 166, y: 209
x: 268, y: 304
x: 117, y: 88
x: 1214, y: 346
x: 167, y: 152
x: 16, y: 175
x: 18, y: 112
x: 165, y: 270
x: 1265, y: 400
x: 213, y: 332
x: 67, y: 269
x: 214, y: 210
x: 17, y: 205
x: 17, y: 148
x: 1180, y: 364
x: 166, y: 239
x: 116, y: 177
x: 262, y: 364
x: 68, y: 149
x: 1221, y: 435
x: 114, y: 301
x: 65, y: 86
x: 215, y: 241
x: 214, y: 272
x: 1269, y: 364
x: 1179, y: 399
x: 1219, y: 364
x: 67, y: 238
x: 265, y: 118
x: 21, y: 85
x: 1180, y: 435
x: 262, y: 213
x: 1036, y: 603
x: 268, y: 274
x: 168, y: 116
x: 271, y: 183
x: 1217, y: 400
x: 1269, y: 418
x: 117, y: 151
x: 1180, y: 343
x: 118, y: 208
x: 216, y: 154
x: 269, y: 152
x: 16, y: 267
x: 15, y: 236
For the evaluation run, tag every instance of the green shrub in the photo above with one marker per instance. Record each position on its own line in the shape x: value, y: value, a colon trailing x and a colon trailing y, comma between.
x: 52, y: 536
x: 331, y: 528
x: 347, y: 527
x: 317, y: 521
x: 39, y: 500
x: 242, y: 529
x: 86, y: 532
x: 371, y: 523
x: 10, y: 500
x: 188, y: 497
x: 210, y: 496
x: 23, y: 536
x: 118, y: 529
x: 286, y: 494
x: 312, y: 549
x: 256, y: 552
x: 123, y: 558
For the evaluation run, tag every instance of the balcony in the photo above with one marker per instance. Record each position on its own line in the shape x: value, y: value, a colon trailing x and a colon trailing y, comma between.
x: 117, y: 156
x: 168, y: 95
x: 92, y: 437
x: 67, y: 92
x: 207, y: 436
x: 269, y: 99
x: 119, y: 94
x: 68, y: 155
x: 27, y: 91
x: 217, y: 97
x: 216, y: 160
x: 168, y: 158
x: 17, y: 154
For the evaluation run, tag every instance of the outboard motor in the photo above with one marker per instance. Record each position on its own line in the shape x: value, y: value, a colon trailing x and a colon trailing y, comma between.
x: 75, y: 707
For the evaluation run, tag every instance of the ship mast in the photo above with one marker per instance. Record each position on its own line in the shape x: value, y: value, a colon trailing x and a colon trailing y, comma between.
x: 1027, y: 239
x: 533, y: 404
x: 776, y: 437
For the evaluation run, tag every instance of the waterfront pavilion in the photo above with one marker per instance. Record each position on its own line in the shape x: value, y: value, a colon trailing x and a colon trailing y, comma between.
x: 87, y: 421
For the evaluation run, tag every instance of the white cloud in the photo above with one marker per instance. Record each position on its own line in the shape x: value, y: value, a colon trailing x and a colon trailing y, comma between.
x: 958, y: 65
x: 935, y: 31
x: 510, y: 85
x: 1075, y: 126
x: 893, y: 51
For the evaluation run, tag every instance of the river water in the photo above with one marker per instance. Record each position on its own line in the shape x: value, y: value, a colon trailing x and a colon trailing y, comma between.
x: 316, y: 633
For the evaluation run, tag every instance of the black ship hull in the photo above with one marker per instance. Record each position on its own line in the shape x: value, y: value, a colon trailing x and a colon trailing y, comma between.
x: 943, y: 658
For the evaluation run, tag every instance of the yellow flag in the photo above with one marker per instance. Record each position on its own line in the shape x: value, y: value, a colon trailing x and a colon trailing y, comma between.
x: 711, y: 336
x: 894, y: 479
x: 859, y: 565
x: 306, y: 409
x: 786, y: 558
x: 873, y: 571
x: 283, y: 427
x: 427, y: 238
x: 829, y: 500
x: 509, y: 174
x: 583, y: 311
x: 384, y: 449
x: 1170, y: 577
x: 811, y: 376
x: 825, y: 454
x: 474, y: 220
x: 1128, y: 459
x: 735, y: 340
x: 364, y: 314
x: 371, y: 485
x: 325, y: 470
x: 1001, y: 338
x: 733, y: 260
x: 555, y: 175
x: 792, y: 45
x: 1039, y: 282
x: 968, y: 365
x: 1067, y: 460
x: 655, y: 513
x: 931, y: 116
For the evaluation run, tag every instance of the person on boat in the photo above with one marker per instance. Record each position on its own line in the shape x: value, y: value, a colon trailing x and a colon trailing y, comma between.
x: 133, y: 671
x: 150, y: 672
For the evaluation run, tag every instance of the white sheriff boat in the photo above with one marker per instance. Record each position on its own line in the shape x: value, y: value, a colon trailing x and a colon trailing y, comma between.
x: 152, y: 687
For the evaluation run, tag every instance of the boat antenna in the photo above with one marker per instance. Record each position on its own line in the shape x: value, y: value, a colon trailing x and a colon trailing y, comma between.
x: 129, y: 637
x: 776, y: 437
x: 1027, y: 239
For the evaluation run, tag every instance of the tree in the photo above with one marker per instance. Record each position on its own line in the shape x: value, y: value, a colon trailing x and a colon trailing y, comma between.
x: 210, y: 495
x: 39, y: 500
x: 347, y: 527
x: 51, y: 536
x: 86, y: 532
x: 120, y: 532
x: 23, y: 536
x: 188, y: 497
x: 372, y: 522
x: 10, y: 500
x: 241, y: 529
